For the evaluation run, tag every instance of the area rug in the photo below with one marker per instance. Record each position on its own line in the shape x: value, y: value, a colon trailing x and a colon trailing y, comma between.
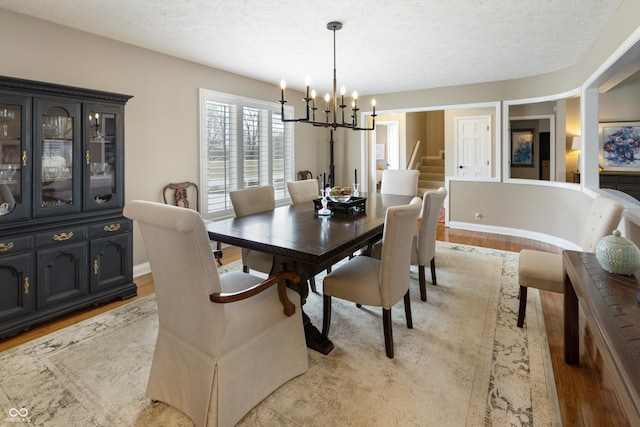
x: 465, y: 363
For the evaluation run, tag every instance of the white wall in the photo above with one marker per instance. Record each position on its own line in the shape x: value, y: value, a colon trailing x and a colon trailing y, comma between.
x: 161, y: 120
x: 161, y: 128
x: 541, y: 211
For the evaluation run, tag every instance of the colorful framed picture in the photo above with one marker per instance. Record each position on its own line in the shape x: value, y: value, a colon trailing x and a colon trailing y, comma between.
x: 620, y: 146
x: 522, y: 147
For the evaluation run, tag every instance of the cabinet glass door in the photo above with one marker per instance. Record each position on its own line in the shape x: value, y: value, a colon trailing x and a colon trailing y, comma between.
x: 103, y: 135
x: 57, y: 140
x: 14, y: 158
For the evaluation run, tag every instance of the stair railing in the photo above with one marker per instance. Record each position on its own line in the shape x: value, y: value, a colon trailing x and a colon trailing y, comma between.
x: 414, y: 154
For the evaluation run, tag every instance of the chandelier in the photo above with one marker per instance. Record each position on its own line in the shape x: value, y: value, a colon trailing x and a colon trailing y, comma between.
x: 331, y: 105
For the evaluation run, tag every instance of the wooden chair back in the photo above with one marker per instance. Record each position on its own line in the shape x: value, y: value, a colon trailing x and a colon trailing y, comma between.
x: 304, y: 175
x: 181, y: 192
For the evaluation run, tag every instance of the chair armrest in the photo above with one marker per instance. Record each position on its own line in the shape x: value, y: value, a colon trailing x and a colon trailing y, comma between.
x: 280, y: 278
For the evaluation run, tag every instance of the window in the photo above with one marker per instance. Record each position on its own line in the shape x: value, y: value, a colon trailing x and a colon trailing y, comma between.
x: 244, y: 144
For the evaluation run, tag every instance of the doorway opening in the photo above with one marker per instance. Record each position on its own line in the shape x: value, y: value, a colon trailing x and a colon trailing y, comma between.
x: 541, y: 160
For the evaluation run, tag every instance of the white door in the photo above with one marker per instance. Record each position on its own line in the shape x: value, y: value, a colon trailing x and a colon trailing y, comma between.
x: 474, y: 146
x: 387, y: 133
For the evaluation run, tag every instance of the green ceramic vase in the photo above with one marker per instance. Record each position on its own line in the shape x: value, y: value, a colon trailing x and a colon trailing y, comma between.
x: 617, y: 254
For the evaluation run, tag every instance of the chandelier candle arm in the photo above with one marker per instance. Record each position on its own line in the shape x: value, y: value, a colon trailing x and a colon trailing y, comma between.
x: 337, y: 103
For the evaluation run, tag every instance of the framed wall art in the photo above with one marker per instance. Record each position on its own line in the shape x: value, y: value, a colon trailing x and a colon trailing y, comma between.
x: 522, y: 147
x: 620, y: 146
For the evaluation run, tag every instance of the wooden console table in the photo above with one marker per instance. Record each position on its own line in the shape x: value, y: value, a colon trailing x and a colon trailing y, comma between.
x: 610, y: 305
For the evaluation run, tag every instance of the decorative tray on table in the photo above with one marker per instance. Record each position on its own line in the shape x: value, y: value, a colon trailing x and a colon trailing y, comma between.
x: 353, y: 206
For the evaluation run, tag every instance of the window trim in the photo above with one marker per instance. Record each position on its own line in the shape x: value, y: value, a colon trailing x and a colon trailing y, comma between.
x: 239, y: 101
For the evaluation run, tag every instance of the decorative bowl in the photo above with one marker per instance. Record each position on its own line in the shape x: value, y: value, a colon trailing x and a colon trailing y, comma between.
x: 100, y: 168
x: 340, y: 194
x: 342, y: 198
x: 617, y: 254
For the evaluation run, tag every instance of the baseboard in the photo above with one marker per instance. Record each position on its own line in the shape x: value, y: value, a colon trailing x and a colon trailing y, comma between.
x: 141, y: 269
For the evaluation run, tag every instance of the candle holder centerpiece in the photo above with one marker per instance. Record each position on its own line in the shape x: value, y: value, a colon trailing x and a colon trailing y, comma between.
x: 340, y: 200
x: 324, y: 210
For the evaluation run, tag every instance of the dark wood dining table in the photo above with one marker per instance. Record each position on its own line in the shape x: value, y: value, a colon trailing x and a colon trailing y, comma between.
x: 307, y: 243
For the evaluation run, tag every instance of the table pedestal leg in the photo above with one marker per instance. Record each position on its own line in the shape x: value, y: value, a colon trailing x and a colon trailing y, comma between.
x: 571, y: 325
x: 314, y: 338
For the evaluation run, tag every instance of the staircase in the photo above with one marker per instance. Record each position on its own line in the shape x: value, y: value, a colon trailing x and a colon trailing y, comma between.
x: 431, y: 174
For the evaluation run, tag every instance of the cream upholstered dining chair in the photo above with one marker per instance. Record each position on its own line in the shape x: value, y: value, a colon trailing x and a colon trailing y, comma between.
x: 403, y: 182
x: 423, y: 248
x: 225, y: 342
x: 378, y: 282
x: 183, y: 195
x: 303, y: 191
x: 544, y: 270
x: 247, y: 202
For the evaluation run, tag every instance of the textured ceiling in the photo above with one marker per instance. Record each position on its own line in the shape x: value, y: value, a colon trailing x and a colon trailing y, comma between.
x: 384, y: 46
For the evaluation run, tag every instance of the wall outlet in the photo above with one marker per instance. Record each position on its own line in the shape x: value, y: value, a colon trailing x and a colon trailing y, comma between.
x: 478, y: 216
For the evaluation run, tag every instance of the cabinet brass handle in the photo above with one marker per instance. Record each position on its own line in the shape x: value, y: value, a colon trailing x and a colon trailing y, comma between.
x: 95, y: 267
x: 24, y: 158
x: 62, y: 236
x: 88, y: 157
x: 4, y: 247
x: 112, y: 227
x: 26, y: 285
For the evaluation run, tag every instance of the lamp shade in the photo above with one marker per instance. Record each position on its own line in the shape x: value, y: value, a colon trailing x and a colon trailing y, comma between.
x: 575, y: 144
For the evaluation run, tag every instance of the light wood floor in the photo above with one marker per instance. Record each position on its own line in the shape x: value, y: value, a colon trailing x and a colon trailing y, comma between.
x: 584, y: 391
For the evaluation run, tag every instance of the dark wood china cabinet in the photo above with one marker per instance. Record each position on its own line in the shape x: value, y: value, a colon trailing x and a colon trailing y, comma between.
x: 64, y: 243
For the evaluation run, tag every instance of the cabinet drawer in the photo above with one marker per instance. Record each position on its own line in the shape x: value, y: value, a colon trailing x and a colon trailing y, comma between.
x: 12, y: 245
x: 62, y: 235
x: 629, y: 180
x: 610, y: 180
x: 105, y: 229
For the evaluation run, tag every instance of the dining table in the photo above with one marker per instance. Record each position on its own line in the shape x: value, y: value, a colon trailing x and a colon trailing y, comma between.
x: 307, y: 243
